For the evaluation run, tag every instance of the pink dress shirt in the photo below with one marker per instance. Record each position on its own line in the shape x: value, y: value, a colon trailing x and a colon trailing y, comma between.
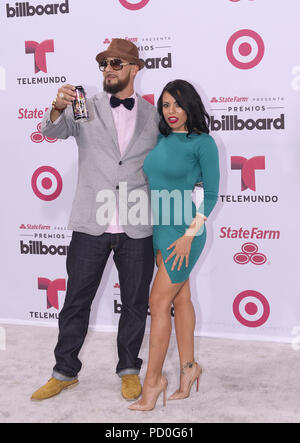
x: 125, y: 125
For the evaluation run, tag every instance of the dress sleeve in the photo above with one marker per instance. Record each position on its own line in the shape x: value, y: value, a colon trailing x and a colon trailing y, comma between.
x: 208, y: 158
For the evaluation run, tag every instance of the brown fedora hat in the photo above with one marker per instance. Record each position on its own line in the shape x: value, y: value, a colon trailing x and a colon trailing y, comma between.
x: 122, y: 48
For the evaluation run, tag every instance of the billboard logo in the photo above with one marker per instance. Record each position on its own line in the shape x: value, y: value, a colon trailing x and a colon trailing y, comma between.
x: 39, y: 50
x: 134, y: 5
x: 249, y: 253
x: 233, y: 123
x: 24, y: 9
x: 52, y: 288
x: 251, y: 308
x: 46, y: 183
x: 39, y: 248
x: 248, y: 167
x: 245, y: 49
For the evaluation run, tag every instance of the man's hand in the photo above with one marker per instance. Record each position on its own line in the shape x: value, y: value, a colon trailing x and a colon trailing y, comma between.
x: 65, y: 96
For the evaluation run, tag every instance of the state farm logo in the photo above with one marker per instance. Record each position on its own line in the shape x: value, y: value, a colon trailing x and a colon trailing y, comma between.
x: 234, y: 99
x: 249, y: 254
x: 134, y: 5
x: 245, y: 49
x: 36, y: 226
x: 251, y: 308
x: 157, y: 47
x: 24, y: 9
x: 46, y: 183
x: 249, y: 233
x: 108, y: 41
x: 248, y: 168
x: 38, y: 137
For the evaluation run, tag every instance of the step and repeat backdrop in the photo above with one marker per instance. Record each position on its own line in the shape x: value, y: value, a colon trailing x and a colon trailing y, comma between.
x: 243, y: 56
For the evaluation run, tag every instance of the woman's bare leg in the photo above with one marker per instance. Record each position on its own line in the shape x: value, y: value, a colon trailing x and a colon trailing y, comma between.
x: 184, y: 316
x: 161, y: 298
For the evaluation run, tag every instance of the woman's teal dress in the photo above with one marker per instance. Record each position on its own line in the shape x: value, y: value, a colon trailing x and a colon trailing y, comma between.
x: 173, y: 168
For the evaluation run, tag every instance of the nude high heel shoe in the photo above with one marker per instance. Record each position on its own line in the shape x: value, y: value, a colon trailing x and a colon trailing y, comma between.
x: 191, y: 377
x: 162, y: 388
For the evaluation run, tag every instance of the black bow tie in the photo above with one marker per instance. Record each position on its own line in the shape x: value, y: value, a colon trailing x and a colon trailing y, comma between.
x: 127, y: 102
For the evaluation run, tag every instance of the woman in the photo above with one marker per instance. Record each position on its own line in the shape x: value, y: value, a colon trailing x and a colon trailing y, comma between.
x: 184, y: 155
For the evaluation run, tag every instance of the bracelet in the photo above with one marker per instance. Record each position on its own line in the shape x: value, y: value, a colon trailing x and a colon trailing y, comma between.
x: 54, y: 106
x: 202, y: 215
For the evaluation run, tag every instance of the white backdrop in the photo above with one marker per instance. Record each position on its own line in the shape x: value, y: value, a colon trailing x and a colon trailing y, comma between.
x: 243, y: 57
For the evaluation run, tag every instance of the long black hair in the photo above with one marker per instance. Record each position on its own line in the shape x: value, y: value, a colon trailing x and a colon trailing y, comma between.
x: 190, y: 101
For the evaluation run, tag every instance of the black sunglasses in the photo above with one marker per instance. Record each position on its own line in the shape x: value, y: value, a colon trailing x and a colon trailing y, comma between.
x: 115, y: 63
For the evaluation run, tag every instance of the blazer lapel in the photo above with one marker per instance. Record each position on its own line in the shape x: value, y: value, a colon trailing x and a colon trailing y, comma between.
x: 105, y: 114
x: 141, y: 119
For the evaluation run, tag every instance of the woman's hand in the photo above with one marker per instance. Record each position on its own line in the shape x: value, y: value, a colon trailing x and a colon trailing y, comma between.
x: 182, y: 246
x: 181, y: 251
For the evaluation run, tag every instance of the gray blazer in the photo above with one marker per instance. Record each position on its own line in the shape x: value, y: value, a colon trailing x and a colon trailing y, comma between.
x: 101, y: 166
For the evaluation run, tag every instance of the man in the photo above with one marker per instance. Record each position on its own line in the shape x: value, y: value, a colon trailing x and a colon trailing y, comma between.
x: 122, y: 128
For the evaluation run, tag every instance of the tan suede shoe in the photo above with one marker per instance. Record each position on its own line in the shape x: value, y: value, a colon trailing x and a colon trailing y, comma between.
x: 131, y: 387
x: 53, y: 387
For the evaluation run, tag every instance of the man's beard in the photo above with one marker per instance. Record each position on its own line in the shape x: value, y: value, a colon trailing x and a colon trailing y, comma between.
x: 116, y: 87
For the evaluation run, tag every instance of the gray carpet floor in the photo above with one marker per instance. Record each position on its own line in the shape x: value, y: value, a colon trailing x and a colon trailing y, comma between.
x: 243, y: 382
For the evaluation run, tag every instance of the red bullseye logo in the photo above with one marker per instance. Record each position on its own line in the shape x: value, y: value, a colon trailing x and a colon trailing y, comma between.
x: 134, y: 6
x: 251, y: 309
x: 249, y: 253
x: 46, y: 183
x: 245, y: 49
x: 38, y: 137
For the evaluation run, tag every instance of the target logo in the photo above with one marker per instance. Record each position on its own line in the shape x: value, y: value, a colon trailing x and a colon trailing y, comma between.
x: 38, y: 137
x: 251, y: 308
x: 245, y: 49
x: 46, y: 183
x: 134, y: 6
x: 249, y: 253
